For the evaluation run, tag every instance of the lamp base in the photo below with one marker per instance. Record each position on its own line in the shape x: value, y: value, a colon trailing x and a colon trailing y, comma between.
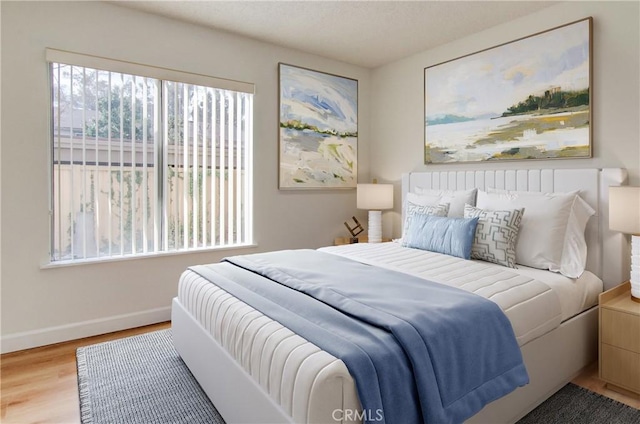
x: 635, y: 268
x: 375, y: 226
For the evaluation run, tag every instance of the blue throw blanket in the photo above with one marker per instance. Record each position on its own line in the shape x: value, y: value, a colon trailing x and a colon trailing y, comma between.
x: 418, y: 351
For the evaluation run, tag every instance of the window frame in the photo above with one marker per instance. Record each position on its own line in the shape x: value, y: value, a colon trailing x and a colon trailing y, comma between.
x: 162, y: 75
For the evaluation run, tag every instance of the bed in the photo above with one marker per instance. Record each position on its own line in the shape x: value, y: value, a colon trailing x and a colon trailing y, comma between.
x: 256, y: 370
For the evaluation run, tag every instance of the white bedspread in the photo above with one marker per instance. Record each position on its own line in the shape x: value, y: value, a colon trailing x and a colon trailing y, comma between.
x: 535, y: 301
x: 302, y: 378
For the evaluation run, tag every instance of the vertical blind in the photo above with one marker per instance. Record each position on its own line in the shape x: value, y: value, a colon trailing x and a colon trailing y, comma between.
x: 142, y: 165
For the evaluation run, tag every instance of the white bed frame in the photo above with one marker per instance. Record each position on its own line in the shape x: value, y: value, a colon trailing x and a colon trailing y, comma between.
x: 551, y: 360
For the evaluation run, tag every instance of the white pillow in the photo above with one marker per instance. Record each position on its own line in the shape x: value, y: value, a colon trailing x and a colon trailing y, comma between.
x: 574, y: 252
x: 456, y: 199
x: 552, y: 229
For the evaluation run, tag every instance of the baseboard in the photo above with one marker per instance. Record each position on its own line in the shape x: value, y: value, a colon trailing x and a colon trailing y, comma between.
x: 63, y: 333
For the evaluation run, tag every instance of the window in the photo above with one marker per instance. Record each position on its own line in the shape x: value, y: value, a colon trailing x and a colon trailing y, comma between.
x: 146, y: 160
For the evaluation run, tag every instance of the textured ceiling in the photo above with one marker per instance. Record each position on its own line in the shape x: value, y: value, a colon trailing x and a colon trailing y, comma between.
x: 365, y: 33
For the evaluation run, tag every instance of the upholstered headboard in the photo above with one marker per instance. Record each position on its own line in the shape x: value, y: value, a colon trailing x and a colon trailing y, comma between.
x: 608, y: 255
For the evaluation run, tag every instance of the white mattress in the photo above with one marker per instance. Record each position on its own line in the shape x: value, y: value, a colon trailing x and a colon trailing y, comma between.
x: 574, y: 295
x: 302, y: 378
x: 297, y: 375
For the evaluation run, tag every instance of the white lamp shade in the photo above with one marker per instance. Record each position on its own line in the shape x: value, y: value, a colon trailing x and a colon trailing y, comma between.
x: 624, y: 209
x: 374, y: 196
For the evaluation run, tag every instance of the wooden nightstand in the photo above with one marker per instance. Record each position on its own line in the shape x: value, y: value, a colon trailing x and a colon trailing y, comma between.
x: 620, y: 339
x: 338, y: 241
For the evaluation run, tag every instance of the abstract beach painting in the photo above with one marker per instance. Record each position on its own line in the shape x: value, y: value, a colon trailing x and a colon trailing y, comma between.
x: 318, y: 127
x: 527, y: 99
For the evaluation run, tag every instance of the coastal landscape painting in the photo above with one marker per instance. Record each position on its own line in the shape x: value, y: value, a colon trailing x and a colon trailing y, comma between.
x: 318, y: 127
x: 527, y: 99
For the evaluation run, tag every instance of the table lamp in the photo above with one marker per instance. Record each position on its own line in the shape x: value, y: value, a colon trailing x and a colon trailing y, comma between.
x: 374, y: 198
x: 624, y: 216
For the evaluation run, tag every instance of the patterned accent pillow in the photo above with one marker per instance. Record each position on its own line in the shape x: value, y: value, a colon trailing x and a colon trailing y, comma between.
x: 456, y: 199
x: 413, y: 209
x: 438, y: 210
x: 496, y: 235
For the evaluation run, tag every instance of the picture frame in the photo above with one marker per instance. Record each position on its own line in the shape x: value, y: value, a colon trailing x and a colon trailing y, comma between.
x: 317, y: 129
x: 528, y: 99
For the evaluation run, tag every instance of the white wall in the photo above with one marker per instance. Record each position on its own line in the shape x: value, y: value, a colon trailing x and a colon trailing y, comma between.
x: 397, y: 143
x: 49, y: 305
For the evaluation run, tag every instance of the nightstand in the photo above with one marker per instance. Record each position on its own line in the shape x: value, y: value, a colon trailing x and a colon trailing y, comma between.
x: 620, y: 339
x: 338, y: 241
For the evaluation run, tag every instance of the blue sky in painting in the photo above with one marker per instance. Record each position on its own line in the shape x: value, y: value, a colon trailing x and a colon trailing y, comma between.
x: 487, y: 83
x: 315, y: 98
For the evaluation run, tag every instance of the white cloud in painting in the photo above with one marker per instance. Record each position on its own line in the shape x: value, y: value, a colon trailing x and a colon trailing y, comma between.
x: 322, y: 100
x: 489, y: 82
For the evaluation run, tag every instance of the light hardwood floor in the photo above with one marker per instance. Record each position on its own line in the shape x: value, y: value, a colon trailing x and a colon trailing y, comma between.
x: 40, y: 385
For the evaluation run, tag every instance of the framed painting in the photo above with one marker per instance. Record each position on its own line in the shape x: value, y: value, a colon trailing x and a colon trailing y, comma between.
x: 526, y: 99
x: 318, y: 130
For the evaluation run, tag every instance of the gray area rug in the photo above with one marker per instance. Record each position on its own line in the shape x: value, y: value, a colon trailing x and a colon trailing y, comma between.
x: 575, y: 405
x: 142, y: 380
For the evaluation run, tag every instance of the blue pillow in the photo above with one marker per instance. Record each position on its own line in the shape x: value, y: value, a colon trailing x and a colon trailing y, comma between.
x: 451, y: 236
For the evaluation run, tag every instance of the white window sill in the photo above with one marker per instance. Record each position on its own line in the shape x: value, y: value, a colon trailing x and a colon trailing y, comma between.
x: 77, y: 262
